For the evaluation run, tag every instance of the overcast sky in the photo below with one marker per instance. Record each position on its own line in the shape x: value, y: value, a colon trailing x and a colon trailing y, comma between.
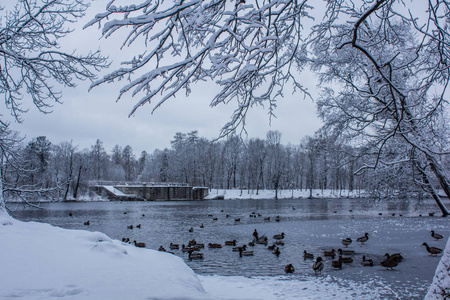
x: 86, y: 116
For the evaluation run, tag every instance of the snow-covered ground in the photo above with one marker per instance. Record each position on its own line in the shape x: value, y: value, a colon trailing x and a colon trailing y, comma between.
x: 40, y: 261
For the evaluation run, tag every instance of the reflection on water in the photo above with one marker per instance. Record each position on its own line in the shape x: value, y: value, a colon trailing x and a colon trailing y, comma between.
x: 309, y: 224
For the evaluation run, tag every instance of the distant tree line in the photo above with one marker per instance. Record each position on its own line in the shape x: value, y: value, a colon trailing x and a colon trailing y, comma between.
x: 63, y: 171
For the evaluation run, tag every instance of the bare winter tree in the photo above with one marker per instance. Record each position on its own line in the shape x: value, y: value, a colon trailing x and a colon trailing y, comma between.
x: 31, y: 62
x: 386, y: 66
x: 392, y: 72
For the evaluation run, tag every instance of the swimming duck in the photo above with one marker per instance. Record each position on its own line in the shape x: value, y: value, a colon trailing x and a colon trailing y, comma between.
x: 267, y: 219
x: 202, y: 226
x: 262, y: 240
x: 289, y: 269
x: 247, y: 253
x: 389, y: 262
x: 279, y: 236
x: 214, y: 245
x: 331, y: 253
x: 436, y: 236
x: 276, y: 251
x: 307, y: 254
x: 346, y: 241
x: 432, y: 250
x: 87, y: 223
x: 318, y: 265
x: 230, y: 243
x: 195, y: 255
x: 130, y: 226
x: 345, y: 260
x: 140, y: 244
x: 174, y: 246
x: 237, y: 220
x: 279, y: 242
x: 366, y: 262
x: 191, y: 229
x: 162, y: 249
x: 240, y: 248
x: 363, y: 239
x: 346, y: 252
x: 277, y: 219
x: 271, y: 247
x: 251, y: 244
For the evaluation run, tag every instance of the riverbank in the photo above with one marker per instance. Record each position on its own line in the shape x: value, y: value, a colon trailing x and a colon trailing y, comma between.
x: 283, y: 194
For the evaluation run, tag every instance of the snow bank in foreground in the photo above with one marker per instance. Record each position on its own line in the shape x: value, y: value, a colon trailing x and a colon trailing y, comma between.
x: 39, y: 261
x: 282, y: 194
x: 293, y: 288
x: 440, y: 288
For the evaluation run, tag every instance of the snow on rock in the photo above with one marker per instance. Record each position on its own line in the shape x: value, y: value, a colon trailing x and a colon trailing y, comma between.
x: 40, y: 261
x: 440, y: 288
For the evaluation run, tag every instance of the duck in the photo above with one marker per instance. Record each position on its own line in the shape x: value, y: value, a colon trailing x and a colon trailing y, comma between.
x: 162, y: 249
x: 389, y: 262
x: 195, y: 255
x: 214, y: 245
x: 271, y: 247
x: 289, y: 268
x: 366, y: 262
x: 337, y: 263
x: 70, y: 215
x: 87, y: 223
x: 173, y: 246
x: 432, y: 250
x: 318, y: 265
x: 251, y: 244
x: 138, y: 226
x: 202, y: 226
x: 277, y: 219
x: 237, y: 220
x: 346, y: 241
x: 240, y: 248
x: 262, y: 240
x: 436, y: 236
x: 130, y: 226
x: 276, y: 251
x: 139, y: 244
x: 345, y: 260
x: 363, y: 239
x: 331, y: 253
x: 215, y: 218
x: 346, y: 252
x: 266, y: 218
x: 396, y: 256
x: 279, y: 236
x: 191, y: 229
x: 307, y: 254
x: 279, y: 242
x: 230, y: 243
x: 247, y: 253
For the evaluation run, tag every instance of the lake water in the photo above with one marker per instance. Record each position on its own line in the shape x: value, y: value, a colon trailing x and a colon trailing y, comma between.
x: 314, y: 225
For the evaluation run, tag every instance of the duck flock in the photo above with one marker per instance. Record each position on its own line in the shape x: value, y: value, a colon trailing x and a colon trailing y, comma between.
x: 344, y: 256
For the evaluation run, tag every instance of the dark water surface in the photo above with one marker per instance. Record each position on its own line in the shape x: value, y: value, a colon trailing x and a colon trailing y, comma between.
x: 314, y: 225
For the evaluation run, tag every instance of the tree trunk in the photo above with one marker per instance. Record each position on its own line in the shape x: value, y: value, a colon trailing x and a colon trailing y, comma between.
x: 75, y: 192
x: 429, y: 188
x: 443, y: 181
